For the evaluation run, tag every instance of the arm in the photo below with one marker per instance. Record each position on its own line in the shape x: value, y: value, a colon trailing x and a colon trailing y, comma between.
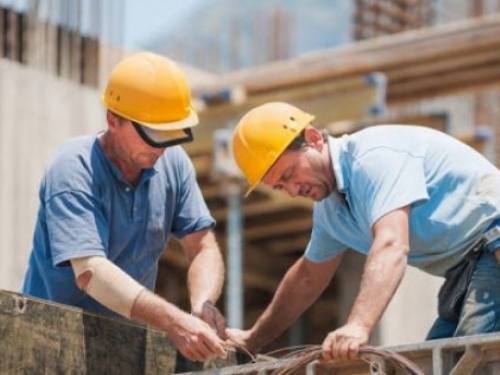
x: 205, y: 277
x: 115, y: 289
x: 383, y: 271
x: 301, y: 286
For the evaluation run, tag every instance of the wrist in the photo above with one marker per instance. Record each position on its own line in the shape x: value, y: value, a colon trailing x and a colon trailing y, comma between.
x: 360, y: 324
x: 197, y: 308
x: 151, y: 309
x: 255, y: 342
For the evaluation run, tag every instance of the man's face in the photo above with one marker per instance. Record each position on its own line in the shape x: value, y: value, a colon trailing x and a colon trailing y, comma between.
x: 303, y: 173
x: 131, y: 148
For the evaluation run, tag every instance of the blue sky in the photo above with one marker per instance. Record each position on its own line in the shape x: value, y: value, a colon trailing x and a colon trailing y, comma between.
x: 144, y: 19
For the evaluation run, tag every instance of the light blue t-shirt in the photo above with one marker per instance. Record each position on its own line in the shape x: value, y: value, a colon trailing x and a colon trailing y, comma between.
x: 86, y: 208
x: 453, y: 191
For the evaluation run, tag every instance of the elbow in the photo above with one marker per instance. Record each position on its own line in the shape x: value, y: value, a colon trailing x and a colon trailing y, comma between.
x: 391, y: 252
x: 83, y: 280
x: 400, y: 251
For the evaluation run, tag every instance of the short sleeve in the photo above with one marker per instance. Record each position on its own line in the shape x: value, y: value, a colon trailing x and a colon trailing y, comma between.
x: 76, y: 227
x: 322, y: 246
x: 191, y: 214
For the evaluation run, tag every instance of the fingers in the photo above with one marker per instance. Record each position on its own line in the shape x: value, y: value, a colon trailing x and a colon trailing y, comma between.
x: 341, y: 346
x: 220, y: 326
x: 340, y: 350
x: 347, y: 350
x: 201, y: 348
x: 214, y: 344
x: 196, y: 340
x: 213, y: 317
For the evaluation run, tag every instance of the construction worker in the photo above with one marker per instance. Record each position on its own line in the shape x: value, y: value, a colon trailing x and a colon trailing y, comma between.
x: 109, y: 203
x: 398, y: 194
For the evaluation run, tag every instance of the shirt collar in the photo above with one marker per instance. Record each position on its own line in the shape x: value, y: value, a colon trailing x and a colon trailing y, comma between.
x: 145, y: 175
x: 336, y: 146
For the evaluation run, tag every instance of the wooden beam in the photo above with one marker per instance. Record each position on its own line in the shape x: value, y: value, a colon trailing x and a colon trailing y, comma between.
x: 293, y: 225
x: 436, y: 121
x: 263, y: 208
x: 202, y: 165
x: 290, y: 244
x: 451, y: 63
x: 411, y: 47
x: 445, y: 83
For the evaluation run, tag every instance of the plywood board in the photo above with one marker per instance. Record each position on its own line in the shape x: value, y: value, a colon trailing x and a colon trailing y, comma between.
x: 41, y: 337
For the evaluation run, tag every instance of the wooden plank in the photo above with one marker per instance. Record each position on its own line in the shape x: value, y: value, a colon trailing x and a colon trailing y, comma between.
x: 38, y: 336
x: 347, y: 98
x: 453, y: 62
x: 465, y: 37
x: 293, y: 224
x: 450, y: 82
x: 262, y: 208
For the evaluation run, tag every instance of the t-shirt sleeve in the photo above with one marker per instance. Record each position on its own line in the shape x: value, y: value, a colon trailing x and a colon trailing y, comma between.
x: 386, y: 180
x: 76, y: 227
x: 191, y: 214
x: 322, y: 246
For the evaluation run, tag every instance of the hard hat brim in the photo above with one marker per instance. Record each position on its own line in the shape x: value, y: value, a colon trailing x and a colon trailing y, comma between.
x: 188, y: 122
x: 163, y: 139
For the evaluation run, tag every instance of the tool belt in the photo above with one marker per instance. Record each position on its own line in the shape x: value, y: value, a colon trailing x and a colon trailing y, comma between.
x: 457, y: 278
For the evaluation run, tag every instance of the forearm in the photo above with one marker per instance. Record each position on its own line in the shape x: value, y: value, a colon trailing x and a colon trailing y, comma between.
x: 205, y: 277
x: 116, y: 290
x: 193, y: 337
x: 279, y: 315
x: 383, y: 272
x: 153, y: 310
x: 300, y: 287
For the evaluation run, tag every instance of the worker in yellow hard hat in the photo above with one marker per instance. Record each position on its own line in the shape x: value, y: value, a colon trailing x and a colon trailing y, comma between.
x: 110, y: 202
x: 398, y: 194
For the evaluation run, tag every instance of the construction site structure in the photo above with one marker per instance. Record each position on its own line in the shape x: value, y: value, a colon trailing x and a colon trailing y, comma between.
x: 41, y: 337
x: 373, y: 18
x: 427, y: 77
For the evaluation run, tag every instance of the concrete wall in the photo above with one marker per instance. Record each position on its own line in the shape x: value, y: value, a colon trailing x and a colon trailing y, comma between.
x: 37, y: 113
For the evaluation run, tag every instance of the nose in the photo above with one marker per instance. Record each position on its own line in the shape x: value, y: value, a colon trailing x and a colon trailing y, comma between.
x: 292, y: 189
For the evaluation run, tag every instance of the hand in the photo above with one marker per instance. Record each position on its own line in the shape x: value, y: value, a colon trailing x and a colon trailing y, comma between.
x: 343, y: 344
x: 241, y: 339
x: 213, y: 317
x: 195, y: 339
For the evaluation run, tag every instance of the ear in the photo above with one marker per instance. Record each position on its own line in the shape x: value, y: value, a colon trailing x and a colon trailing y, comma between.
x: 112, y: 120
x: 314, y: 137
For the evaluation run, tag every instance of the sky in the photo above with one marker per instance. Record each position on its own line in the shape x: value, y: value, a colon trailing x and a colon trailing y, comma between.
x: 143, y: 24
x: 146, y: 18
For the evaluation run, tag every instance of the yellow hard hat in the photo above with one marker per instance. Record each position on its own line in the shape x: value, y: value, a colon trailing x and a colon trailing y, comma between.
x: 263, y: 134
x: 151, y: 91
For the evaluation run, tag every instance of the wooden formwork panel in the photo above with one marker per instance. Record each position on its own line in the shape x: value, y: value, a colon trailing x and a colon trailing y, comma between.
x: 41, y: 337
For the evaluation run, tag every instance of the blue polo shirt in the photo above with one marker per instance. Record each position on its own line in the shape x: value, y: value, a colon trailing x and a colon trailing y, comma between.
x: 453, y: 191
x: 87, y: 208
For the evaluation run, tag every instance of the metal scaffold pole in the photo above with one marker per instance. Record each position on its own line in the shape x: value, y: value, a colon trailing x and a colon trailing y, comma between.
x: 234, y: 256
x: 230, y: 178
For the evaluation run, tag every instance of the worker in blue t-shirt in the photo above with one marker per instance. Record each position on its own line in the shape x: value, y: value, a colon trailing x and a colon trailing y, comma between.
x: 398, y: 194
x: 110, y: 202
